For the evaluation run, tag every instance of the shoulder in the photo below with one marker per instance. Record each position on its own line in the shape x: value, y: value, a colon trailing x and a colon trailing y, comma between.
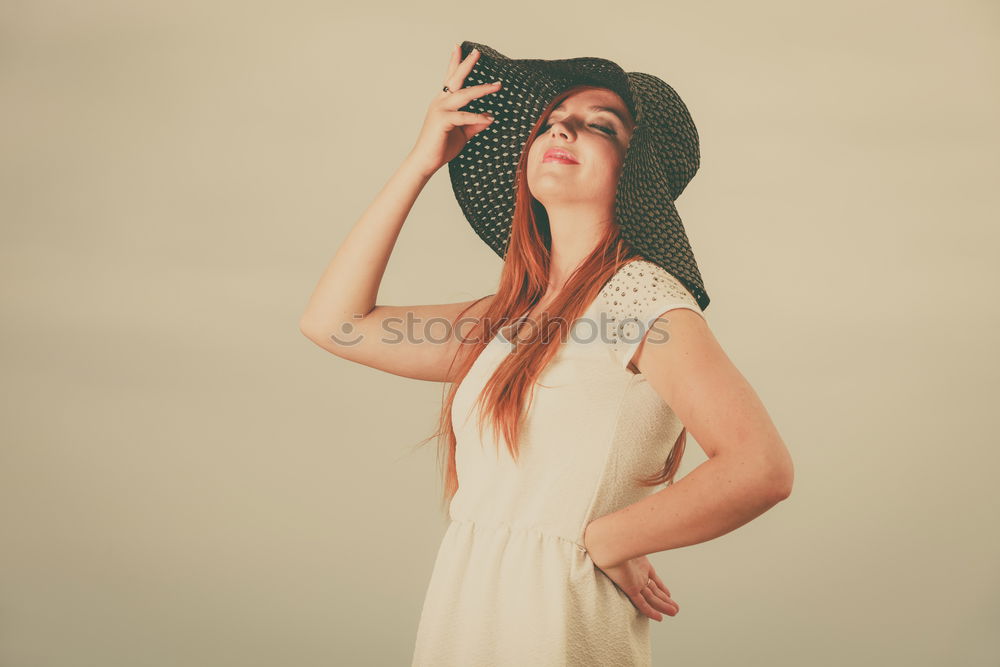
x: 633, y: 300
x: 640, y: 287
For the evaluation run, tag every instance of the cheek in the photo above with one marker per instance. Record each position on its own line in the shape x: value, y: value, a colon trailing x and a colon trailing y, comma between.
x: 612, y: 165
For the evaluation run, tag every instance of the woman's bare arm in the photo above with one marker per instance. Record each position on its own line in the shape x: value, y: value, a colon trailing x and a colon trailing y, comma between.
x: 749, y: 468
x: 419, y: 342
x: 342, y: 315
x: 349, y: 285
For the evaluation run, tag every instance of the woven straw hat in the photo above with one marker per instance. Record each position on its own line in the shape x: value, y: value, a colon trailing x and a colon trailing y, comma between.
x: 662, y: 157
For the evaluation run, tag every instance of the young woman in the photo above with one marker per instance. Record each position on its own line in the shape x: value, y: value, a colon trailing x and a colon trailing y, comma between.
x: 590, y: 363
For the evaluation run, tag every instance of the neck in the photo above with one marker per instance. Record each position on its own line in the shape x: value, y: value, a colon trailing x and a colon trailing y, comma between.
x: 575, y: 234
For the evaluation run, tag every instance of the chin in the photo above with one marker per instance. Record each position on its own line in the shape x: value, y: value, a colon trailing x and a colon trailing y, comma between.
x: 545, y: 191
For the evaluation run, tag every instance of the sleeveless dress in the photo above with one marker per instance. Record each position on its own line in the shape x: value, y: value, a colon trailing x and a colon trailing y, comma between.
x: 512, y: 584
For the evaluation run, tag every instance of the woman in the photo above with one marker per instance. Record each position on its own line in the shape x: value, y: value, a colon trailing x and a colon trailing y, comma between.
x: 588, y: 386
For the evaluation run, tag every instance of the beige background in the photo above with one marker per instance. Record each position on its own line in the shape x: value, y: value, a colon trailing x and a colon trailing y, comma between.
x: 187, y: 480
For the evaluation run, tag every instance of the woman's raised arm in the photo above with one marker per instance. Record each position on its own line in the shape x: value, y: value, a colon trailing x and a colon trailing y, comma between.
x: 343, y: 305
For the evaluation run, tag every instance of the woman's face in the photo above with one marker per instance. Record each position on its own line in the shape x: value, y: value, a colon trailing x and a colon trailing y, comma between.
x: 594, y: 139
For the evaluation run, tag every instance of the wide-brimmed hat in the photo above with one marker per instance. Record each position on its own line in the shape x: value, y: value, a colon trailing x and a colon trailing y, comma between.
x: 662, y: 157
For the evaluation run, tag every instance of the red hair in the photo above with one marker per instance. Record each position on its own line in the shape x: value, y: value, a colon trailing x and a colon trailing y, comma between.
x: 523, y: 279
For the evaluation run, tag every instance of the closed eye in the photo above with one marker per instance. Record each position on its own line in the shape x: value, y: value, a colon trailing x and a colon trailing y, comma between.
x: 605, y: 129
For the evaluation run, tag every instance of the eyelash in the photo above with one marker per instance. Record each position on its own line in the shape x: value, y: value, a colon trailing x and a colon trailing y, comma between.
x: 606, y: 130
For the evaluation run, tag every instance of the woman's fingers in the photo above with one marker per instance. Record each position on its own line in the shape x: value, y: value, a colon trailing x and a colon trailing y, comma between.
x: 658, y: 596
x: 643, y: 605
x: 446, y: 130
x: 456, y: 75
x: 457, y: 118
x: 660, y: 584
x: 657, y: 601
x: 455, y: 81
x: 456, y: 57
x: 654, y: 589
x: 459, y: 98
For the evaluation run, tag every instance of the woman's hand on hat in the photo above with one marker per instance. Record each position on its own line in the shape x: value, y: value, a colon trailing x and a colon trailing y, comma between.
x: 446, y: 130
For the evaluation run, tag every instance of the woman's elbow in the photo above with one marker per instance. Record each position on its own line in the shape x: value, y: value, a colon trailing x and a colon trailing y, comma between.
x: 780, y: 479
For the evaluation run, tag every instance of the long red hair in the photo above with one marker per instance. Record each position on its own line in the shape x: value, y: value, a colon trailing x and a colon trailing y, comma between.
x: 523, y: 279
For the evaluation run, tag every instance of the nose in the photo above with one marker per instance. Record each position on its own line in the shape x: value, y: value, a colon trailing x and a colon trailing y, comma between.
x: 560, y: 127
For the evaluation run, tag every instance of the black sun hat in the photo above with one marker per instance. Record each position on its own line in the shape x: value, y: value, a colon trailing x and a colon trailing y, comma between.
x: 662, y: 157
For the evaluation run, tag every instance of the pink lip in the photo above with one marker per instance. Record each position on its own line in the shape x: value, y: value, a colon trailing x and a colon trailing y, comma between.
x: 555, y: 155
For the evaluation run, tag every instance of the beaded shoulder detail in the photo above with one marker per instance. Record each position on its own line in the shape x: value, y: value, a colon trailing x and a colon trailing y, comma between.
x: 633, y: 297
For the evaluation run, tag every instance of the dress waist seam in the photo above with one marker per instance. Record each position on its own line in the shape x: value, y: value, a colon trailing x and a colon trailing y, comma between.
x: 519, y: 529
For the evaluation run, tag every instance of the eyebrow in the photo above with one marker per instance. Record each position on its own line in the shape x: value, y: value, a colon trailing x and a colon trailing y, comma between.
x: 596, y: 107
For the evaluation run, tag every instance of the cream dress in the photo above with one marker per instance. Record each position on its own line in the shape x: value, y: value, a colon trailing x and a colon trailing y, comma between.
x: 512, y: 585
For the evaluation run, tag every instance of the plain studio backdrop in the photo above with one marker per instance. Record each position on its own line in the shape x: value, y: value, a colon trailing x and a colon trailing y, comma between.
x: 185, y: 479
